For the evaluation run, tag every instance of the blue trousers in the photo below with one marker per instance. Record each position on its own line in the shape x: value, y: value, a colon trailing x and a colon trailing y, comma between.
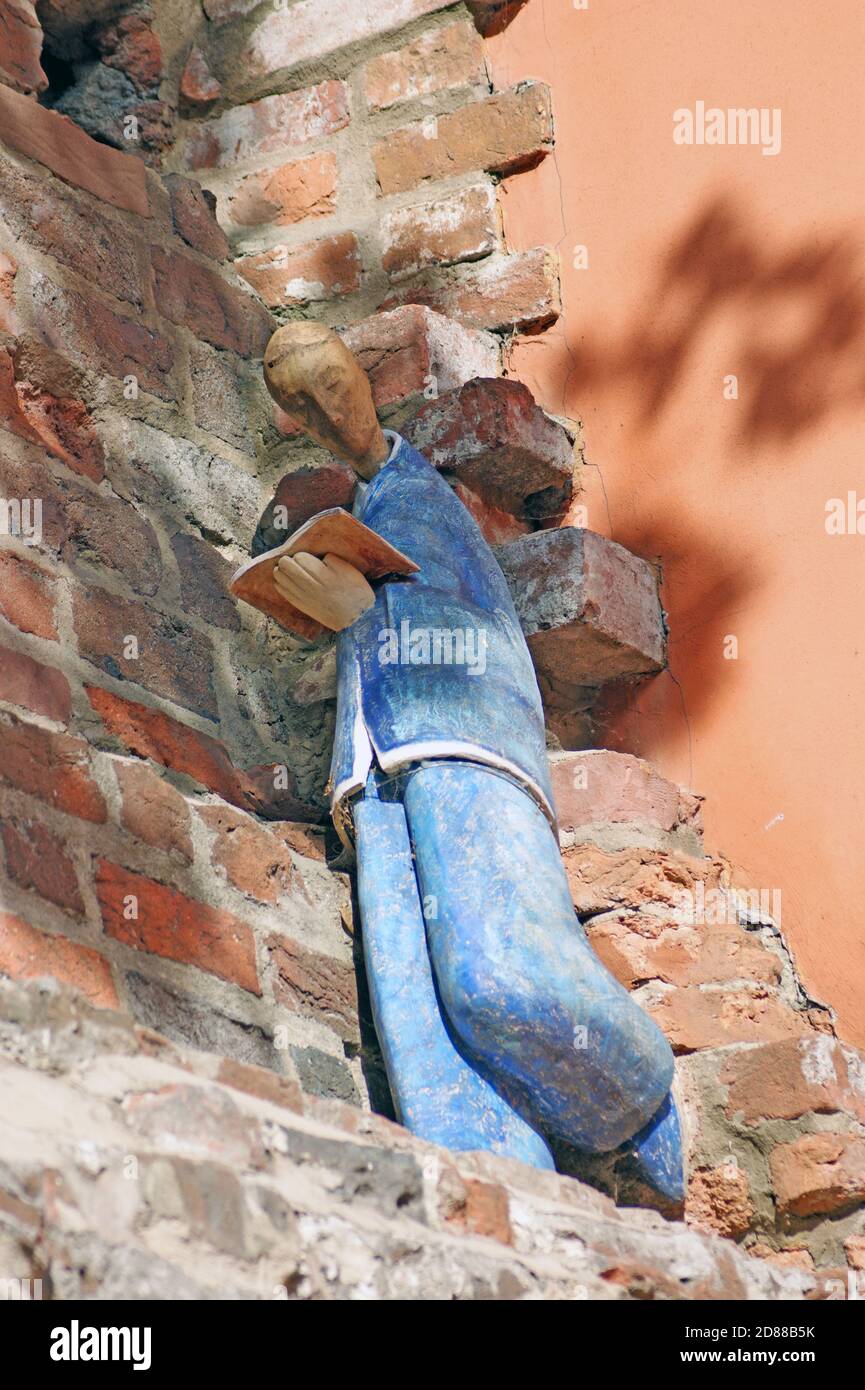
x: 497, y: 1022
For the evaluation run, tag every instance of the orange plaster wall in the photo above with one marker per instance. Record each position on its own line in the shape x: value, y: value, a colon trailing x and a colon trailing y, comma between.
x: 705, y: 261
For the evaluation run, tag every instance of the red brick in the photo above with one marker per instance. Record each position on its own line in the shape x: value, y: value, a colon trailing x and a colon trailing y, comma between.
x: 130, y: 45
x: 101, y: 250
x: 519, y: 291
x: 193, y: 212
x: 204, y: 580
x: 61, y: 425
x: 302, y: 188
x: 199, y: 299
x: 36, y: 858
x: 84, y: 330
x: 479, y: 1208
x: 492, y: 16
x: 636, y: 879
x: 154, y: 811
x: 693, y: 1018
x: 80, y: 524
x: 301, y: 495
x: 64, y: 148
x: 28, y: 596
x: 462, y: 226
x: 449, y: 57
x: 319, y: 270
x: 295, y: 35
x: 503, y: 133
x: 151, y: 734
x: 719, y: 1201
x: 269, y: 126
x: 21, y: 47
x: 258, y: 1081
x: 27, y: 954
x: 256, y: 861
x: 172, y: 925
x: 40, y: 689
x: 51, y: 766
x: 406, y: 351
x: 198, y: 86
x: 315, y: 985
x: 785, y: 1080
x: 600, y: 786
x: 819, y: 1174
x: 490, y: 436
x: 496, y: 525
x: 174, y: 660
x: 637, y: 947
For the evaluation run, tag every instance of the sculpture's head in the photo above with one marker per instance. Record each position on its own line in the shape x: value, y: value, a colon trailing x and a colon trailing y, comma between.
x: 321, y: 386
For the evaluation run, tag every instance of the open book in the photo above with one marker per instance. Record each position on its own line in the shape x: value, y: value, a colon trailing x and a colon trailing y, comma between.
x: 332, y: 532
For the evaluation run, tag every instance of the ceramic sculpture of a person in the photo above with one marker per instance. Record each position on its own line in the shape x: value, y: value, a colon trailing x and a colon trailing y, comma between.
x: 499, y: 1026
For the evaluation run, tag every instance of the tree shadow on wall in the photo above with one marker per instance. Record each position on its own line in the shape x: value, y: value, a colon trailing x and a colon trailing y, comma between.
x: 792, y: 318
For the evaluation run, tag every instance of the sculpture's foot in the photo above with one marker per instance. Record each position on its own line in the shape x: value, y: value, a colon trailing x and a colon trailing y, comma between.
x: 657, y: 1149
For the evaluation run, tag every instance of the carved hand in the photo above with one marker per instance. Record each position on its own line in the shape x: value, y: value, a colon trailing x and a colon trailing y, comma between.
x: 330, y: 590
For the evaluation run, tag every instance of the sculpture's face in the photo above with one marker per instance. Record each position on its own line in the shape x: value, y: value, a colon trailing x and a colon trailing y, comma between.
x: 313, y: 377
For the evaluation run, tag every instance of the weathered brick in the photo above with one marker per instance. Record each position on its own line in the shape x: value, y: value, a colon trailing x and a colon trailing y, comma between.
x: 269, y: 126
x: 693, y: 1018
x: 149, y: 733
x: 589, y: 608
x: 295, y: 35
x: 152, y: 810
x: 637, y: 947
x: 496, y: 525
x: 26, y: 954
x: 8, y: 313
x: 93, y: 336
x: 36, y: 859
x: 254, y: 859
x: 204, y: 580
x: 198, y: 86
x: 785, y: 1080
x: 198, y: 298
x: 222, y: 11
x: 519, y: 291
x: 28, y: 596
x: 296, y: 190
x: 60, y: 424
x: 55, y: 141
x: 173, y: 659
x: 319, y: 270
x: 301, y: 495
x: 818, y: 1174
x: 636, y: 878
x: 193, y: 213
x: 461, y: 226
x: 315, y: 985
x: 490, y: 436
x: 35, y: 687
x: 503, y: 133
x: 149, y: 916
x: 54, y: 767
x: 228, y: 396
x: 492, y: 16
x: 129, y: 44
x: 80, y: 524
x: 444, y: 58
x: 183, y: 1019
x: 95, y: 247
x: 21, y: 47
x: 407, y: 351
x: 599, y: 786
x: 719, y: 1201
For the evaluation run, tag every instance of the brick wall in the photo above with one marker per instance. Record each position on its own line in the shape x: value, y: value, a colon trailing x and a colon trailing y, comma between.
x: 164, y: 847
